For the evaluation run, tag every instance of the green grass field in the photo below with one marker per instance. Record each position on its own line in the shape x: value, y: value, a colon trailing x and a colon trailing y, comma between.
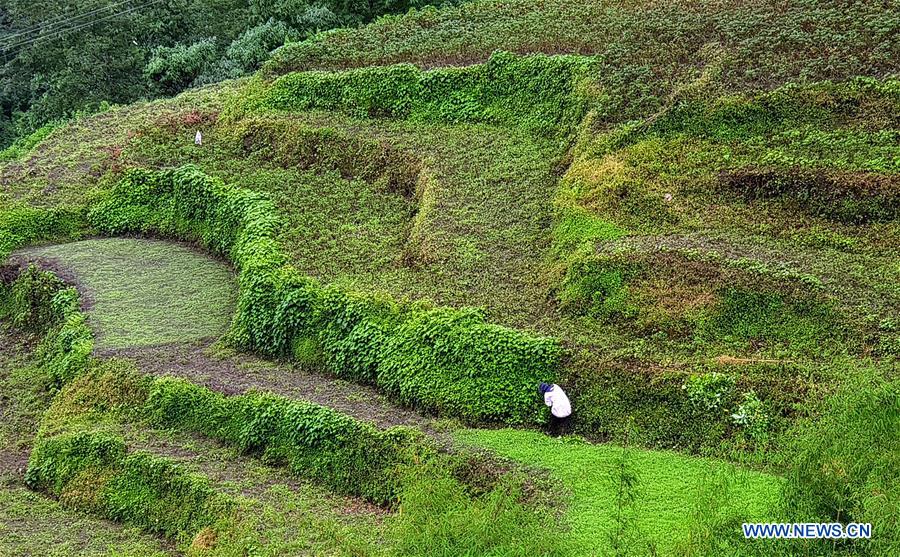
x: 667, y: 487
x: 145, y: 292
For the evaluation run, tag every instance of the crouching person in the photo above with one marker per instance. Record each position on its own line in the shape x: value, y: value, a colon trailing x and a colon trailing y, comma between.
x: 560, y: 408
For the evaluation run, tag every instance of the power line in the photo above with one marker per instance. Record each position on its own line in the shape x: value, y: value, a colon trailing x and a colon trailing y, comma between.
x: 64, y: 31
x: 58, y: 20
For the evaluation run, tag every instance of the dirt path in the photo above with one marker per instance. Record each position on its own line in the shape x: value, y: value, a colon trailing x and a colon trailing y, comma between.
x: 235, y: 373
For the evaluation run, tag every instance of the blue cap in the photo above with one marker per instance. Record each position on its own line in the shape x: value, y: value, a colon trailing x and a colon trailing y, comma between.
x: 544, y: 387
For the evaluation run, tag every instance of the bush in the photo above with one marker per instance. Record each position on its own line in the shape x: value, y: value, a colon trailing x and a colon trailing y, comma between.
x: 26, y: 301
x: 40, y: 301
x: 445, y: 361
x: 453, y: 363
x: 20, y: 226
x: 56, y: 461
x: 141, y: 489
x: 161, y: 496
x: 543, y: 94
x: 172, y: 68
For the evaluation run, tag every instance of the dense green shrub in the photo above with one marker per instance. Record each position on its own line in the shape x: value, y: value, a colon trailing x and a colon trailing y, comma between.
x: 444, y: 361
x: 27, y: 300
x: 40, y: 301
x: 56, y: 461
x: 172, y: 68
x: 20, y: 226
x: 161, y: 496
x: 315, y: 442
x: 452, y: 362
x: 545, y: 94
x: 91, y: 470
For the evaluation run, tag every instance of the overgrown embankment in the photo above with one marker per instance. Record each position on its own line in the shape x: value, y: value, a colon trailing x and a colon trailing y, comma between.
x: 435, y: 359
x: 81, y: 457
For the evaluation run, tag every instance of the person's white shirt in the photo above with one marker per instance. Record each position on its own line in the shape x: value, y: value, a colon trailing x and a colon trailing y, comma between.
x: 198, y: 138
x: 558, y: 402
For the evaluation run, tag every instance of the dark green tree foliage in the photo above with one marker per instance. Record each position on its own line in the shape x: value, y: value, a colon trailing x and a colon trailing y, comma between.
x: 62, y: 57
x: 445, y: 361
x: 176, y: 67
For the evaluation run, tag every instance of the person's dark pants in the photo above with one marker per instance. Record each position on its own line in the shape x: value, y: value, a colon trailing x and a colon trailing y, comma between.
x: 559, y: 426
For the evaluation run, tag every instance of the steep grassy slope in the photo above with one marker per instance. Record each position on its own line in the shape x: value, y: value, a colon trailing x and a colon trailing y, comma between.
x: 106, y: 403
x: 463, y: 214
x: 697, y: 201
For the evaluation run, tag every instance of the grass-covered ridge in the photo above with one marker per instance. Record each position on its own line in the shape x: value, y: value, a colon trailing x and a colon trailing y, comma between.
x: 644, y: 49
x: 543, y: 94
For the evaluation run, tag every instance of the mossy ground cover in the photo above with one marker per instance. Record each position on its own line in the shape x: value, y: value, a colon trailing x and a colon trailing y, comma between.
x: 143, y: 292
x: 668, y: 489
x: 32, y: 525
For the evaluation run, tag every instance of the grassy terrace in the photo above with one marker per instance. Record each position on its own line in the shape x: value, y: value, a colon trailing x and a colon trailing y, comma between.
x: 664, y: 487
x: 587, y: 474
x: 686, y: 213
x: 31, y: 524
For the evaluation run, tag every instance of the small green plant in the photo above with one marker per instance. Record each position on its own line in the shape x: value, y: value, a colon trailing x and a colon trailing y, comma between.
x: 625, y: 536
x: 751, y: 415
x: 710, y: 391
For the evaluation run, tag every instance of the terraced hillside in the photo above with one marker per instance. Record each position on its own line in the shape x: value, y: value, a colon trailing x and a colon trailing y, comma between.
x: 686, y: 214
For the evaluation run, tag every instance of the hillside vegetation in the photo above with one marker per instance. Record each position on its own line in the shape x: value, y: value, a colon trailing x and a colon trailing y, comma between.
x: 686, y: 214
